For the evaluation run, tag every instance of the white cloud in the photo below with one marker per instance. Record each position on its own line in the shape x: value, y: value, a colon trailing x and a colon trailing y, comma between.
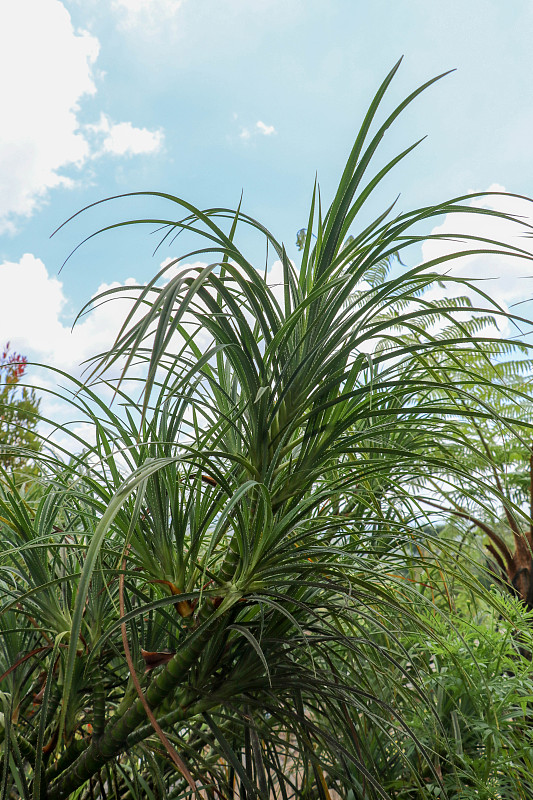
x: 259, y: 129
x: 34, y: 325
x: 508, y: 280
x: 123, y: 138
x: 48, y: 70
x: 135, y: 13
x: 266, y: 130
x: 33, y: 321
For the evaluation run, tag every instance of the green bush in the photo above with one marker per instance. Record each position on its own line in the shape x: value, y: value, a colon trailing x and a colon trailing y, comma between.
x: 478, y: 730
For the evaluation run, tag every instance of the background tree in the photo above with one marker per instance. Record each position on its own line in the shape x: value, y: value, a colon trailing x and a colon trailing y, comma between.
x: 500, y: 455
x: 19, y: 413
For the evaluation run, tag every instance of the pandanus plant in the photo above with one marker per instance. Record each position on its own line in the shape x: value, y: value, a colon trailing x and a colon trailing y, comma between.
x: 208, y: 601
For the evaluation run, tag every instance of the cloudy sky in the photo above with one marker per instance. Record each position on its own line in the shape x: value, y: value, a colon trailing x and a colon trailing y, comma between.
x: 208, y: 98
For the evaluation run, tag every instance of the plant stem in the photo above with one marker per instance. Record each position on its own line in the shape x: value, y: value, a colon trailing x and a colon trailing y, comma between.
x: 115, y: 738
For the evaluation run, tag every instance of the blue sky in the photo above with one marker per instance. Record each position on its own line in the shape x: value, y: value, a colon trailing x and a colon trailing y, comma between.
x: 205, y: 98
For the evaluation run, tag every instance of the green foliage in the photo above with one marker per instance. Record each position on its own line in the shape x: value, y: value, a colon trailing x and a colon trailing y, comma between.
x: 481, y: 690
x: 256, y: 515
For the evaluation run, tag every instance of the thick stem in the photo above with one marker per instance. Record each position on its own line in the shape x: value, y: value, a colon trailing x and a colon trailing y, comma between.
x: 27, y: 750
x: 68, y: 757
x: 115, y: 738
x: 184, y: 711
x: 98, y: 705
x: 231, y: 560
